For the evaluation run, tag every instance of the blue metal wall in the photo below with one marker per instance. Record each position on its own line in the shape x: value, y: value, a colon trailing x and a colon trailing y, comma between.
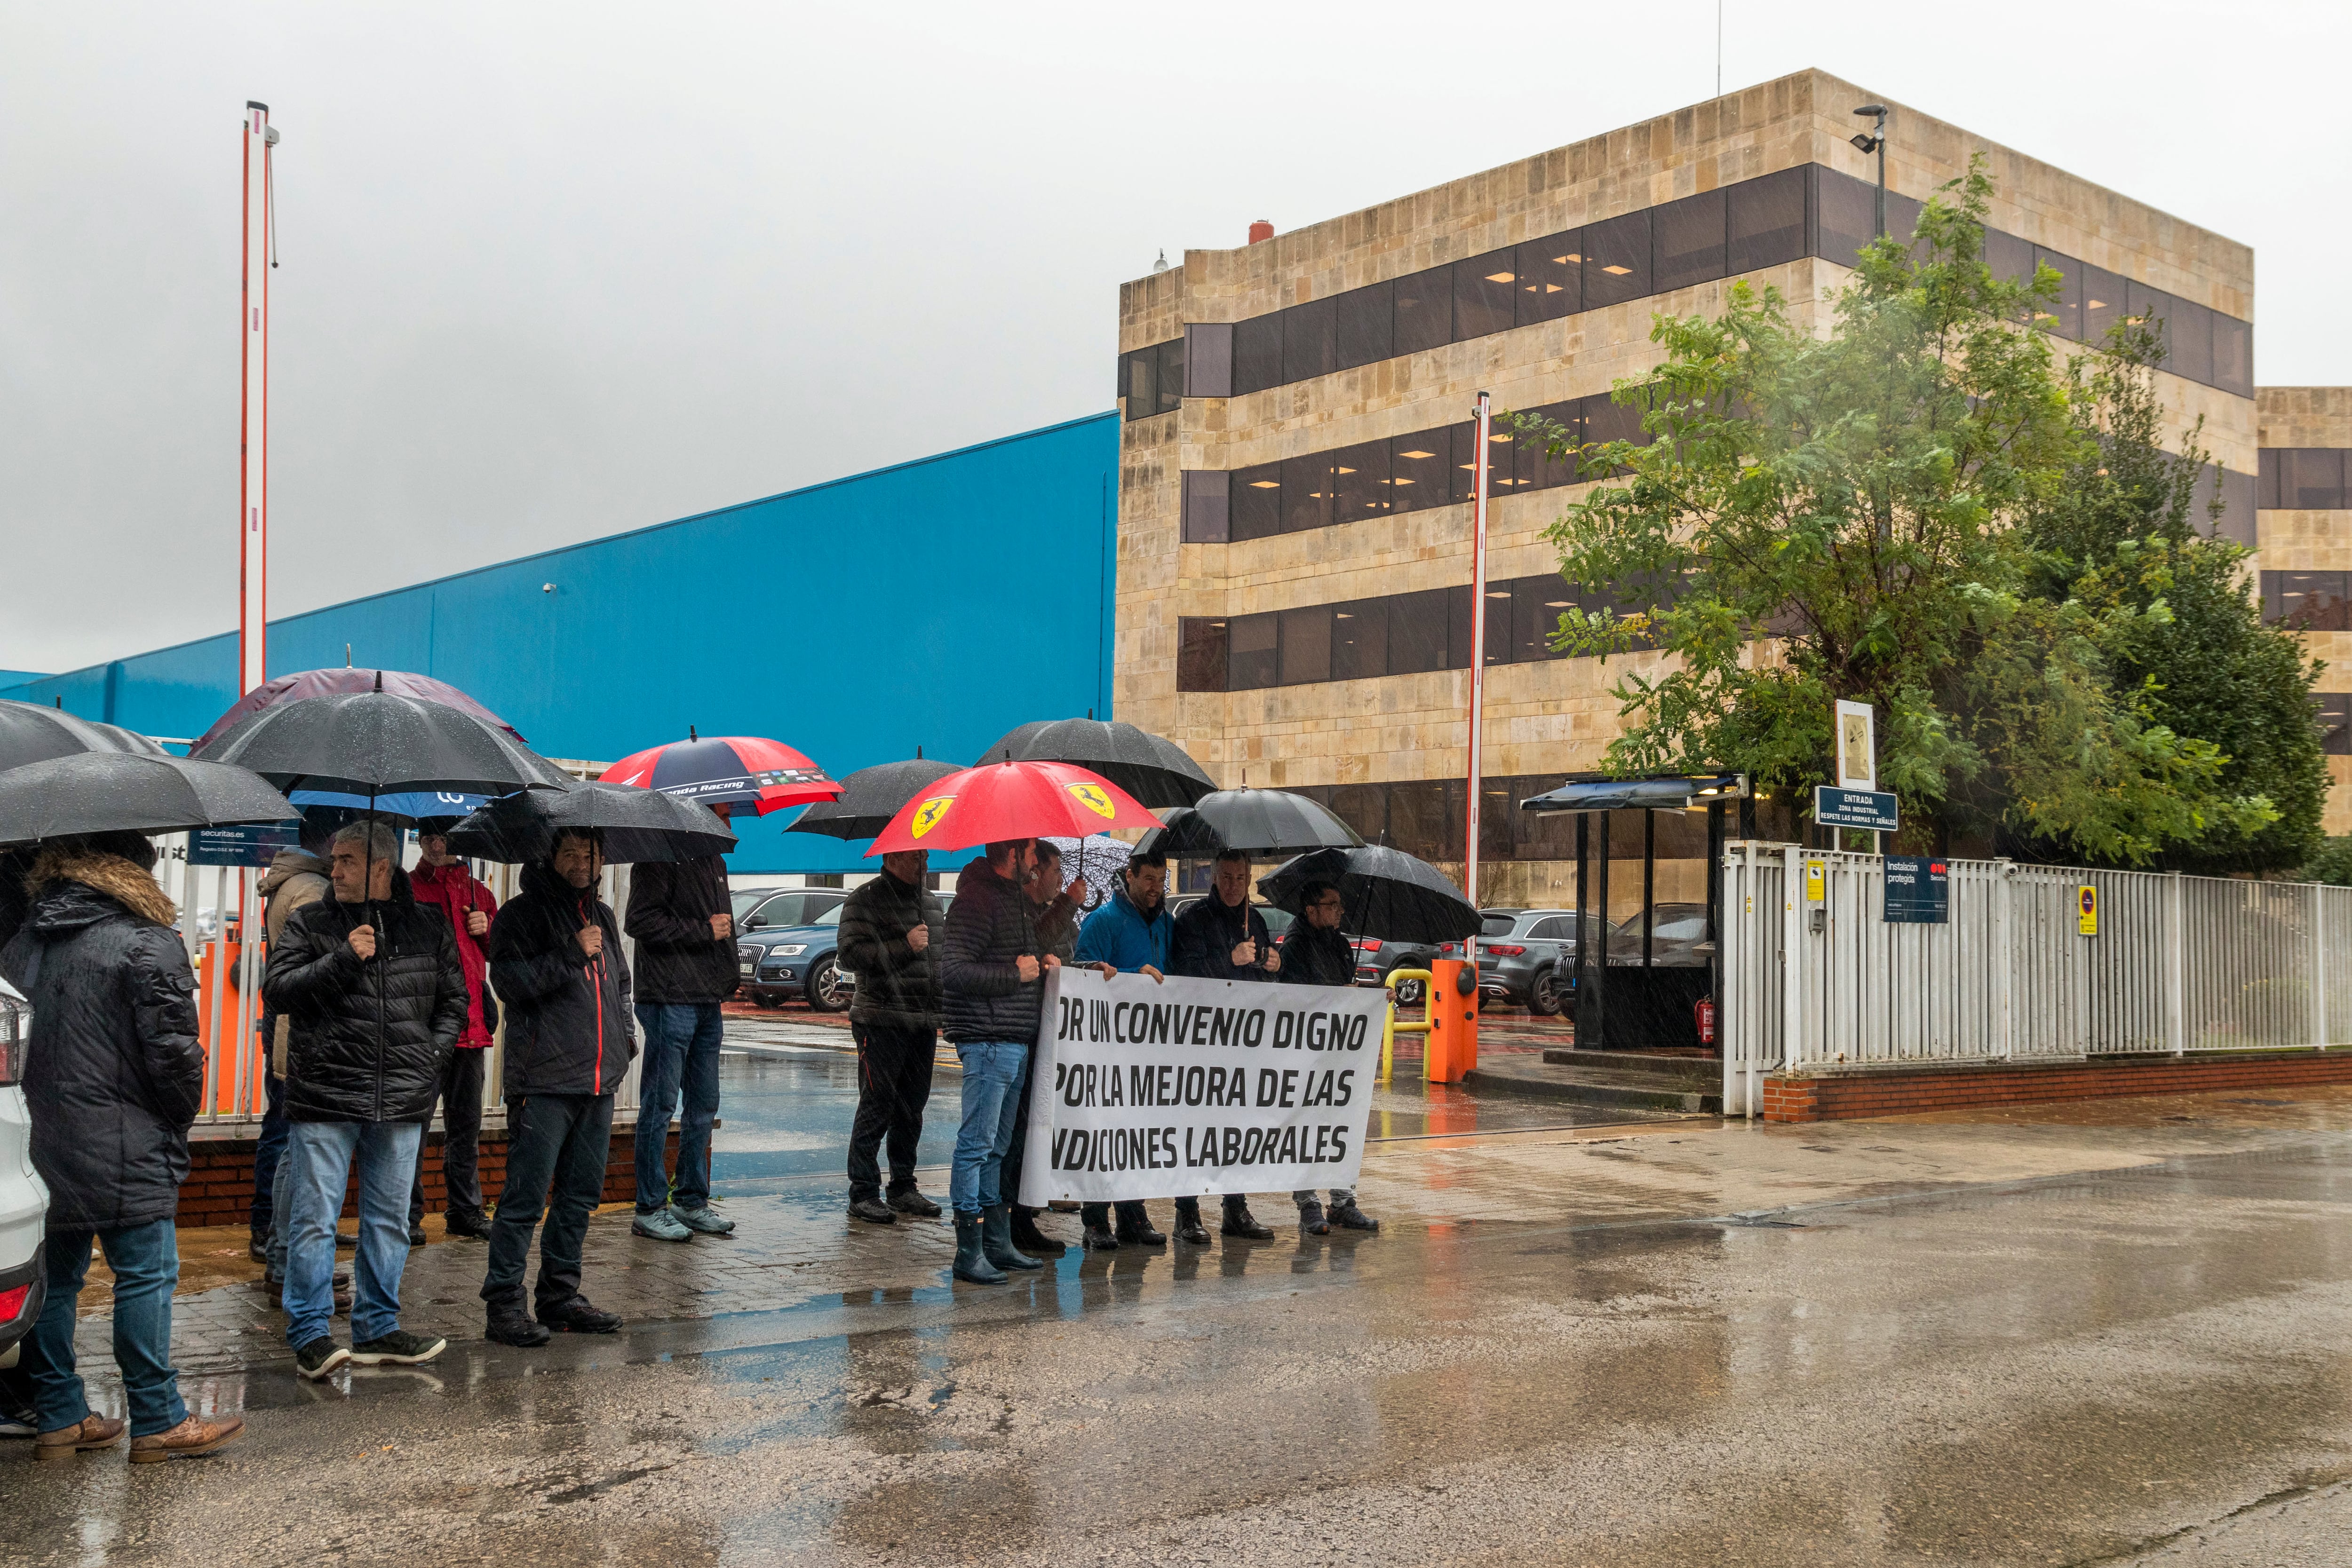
x: 938, y: 602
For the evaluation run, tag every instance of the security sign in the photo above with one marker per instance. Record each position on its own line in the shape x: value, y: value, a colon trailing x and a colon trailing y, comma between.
x: 2086, y: 910
x: 929, y: 814
x: 1091, y: 797
x: 1817, y: 882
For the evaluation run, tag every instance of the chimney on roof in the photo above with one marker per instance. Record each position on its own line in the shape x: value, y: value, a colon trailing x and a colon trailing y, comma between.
x: 1261, y: 230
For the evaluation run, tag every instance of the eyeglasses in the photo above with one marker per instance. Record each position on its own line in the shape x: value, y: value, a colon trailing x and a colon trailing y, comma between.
x: 1331, y: 904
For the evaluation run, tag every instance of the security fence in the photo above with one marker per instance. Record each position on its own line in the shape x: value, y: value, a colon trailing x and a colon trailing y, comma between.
x: 1813, y: 975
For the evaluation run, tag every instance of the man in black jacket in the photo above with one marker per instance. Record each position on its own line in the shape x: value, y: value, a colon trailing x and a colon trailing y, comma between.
x: 684, y: 925
x: 1223, y: 937
x: 555, y: 956
x: 1318, y: 954
x: 114, y: 1076
x: 888, y: 930
x: 992, y: 980
x: 1055, y: 916
x: 371, y: 984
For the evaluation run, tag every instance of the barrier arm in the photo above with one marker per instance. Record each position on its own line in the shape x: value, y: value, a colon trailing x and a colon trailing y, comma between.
x: 1390, y: 1028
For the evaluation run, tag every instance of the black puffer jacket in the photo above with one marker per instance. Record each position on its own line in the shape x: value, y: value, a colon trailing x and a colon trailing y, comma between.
x: 115, y: 1071
x: 897, y: 986
x: 346, y: 1061
x: 982, y: 996
x: 1206, y: 936
x: 569, y: 1028
x: 1314, y: 957
x: 670, y: 906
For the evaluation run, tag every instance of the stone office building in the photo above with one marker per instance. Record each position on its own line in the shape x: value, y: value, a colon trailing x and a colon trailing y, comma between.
x: 1293, y: 593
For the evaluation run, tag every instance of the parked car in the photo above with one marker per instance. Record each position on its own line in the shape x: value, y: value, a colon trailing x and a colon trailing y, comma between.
x: 1279, y: 922
x: 1532, y: 962
x: 746, y: 899
x: 1377, y: 959
x: 784, y: 906
x: 776, y: 964
x: 844, y: 978
x: 24, y: 1200
x: 1680, y: 942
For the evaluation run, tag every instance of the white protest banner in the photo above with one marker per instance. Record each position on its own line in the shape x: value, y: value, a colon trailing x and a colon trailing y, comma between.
x: 1162, y: 1089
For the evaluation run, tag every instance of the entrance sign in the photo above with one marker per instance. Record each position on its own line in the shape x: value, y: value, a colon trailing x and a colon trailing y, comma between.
x: 1836, y: 808
x: 2086, y: 910
x: 1857, y: 745
x: 242, y: 846
x: 1184, y: 1087
x: 1918, y: 891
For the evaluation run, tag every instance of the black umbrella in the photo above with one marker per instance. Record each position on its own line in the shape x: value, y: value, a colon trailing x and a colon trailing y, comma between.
x: 870, y: 797
x: 1156, y: 772
x: 1262, y: 822
x: 31, y: 733
x: 380, y: 743
x: 638, y: 825
x: 1389, y: 893
x: 108, y: 791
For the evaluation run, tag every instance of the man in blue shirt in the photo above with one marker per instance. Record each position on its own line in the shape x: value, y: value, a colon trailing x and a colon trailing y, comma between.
x: 1132, y: 933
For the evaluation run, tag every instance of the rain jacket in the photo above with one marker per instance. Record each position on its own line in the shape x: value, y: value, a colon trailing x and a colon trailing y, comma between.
x: 569, y: 1027
x: 296, y: 878
x: 897, y: 986
x: 369, y: 1041
x: 115, y: 1071
x: 455, y: 891
x: 670, y: 906
x: 1206, y: 936
x: 1118, y: 934
x: 1312, y: 957
x: 990, y: 924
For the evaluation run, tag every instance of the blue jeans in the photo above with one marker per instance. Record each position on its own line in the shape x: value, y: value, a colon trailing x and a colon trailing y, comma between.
x: 318, y: 1157
x: 146, y: 1263
x: 681, y: 1043
x: 992, y: 1103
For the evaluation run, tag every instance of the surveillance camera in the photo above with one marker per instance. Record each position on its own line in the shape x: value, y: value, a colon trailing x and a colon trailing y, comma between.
x: 547, y: 587
x: 269, y: 136
x: 1866, y: 141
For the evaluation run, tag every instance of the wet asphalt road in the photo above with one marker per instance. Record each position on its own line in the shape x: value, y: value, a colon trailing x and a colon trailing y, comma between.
x: 2056, y: 1343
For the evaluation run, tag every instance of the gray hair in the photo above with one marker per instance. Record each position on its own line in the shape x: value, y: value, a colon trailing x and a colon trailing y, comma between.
x: 377, y: 839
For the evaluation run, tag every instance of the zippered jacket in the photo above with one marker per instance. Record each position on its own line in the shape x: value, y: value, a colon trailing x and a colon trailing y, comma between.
x: 369, y: 1041
x: 896, y: 985
x: 456, y: 892
x: 569, y: 1029
x: 1206, y: 936
x: 670, y: 906
x: 1120, y: 935
x: 991, y: 925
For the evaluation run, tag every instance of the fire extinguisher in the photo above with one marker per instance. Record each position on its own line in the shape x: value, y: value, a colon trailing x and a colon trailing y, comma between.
x: 1704, y: 1013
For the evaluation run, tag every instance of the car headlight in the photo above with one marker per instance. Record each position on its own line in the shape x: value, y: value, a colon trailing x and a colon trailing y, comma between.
x: 788, y: 950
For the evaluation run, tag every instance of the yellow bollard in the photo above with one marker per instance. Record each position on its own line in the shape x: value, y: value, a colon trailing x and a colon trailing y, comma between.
x: 1391, y: 1029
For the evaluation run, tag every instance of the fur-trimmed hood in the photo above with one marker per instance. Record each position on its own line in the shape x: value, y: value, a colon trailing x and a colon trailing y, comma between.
x: 112, y: 875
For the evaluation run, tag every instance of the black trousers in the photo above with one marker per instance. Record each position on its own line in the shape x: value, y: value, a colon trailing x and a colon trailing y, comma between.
x: 461, y: 1147
x: 556, y: 1148
x: 1099, y: 1214
x: 893, y: 1083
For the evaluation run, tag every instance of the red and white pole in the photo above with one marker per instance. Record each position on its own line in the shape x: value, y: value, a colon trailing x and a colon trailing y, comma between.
x: 1485, y: 426
x: 253, y: 416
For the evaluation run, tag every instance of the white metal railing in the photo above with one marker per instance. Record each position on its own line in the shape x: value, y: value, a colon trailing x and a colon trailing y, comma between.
x: 2180, y: 964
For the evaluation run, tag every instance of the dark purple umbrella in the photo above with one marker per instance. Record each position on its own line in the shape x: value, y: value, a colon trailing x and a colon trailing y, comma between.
x: 334, y: 683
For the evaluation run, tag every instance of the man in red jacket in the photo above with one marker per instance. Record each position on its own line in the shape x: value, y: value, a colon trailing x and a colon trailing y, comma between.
x: 449, y: 885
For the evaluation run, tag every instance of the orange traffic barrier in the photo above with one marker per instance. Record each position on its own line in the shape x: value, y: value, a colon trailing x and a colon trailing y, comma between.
x: 1453, y: 1046
x: 218, y: 1009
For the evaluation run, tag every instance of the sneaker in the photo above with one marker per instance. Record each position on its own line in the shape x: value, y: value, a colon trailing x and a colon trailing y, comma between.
x: 318, y: 1360
x: 703, y: 1222
x: 477, y: 1225
x: 661, y: 1224
x: 1310, y: 1219
x: 511, y: 1327
x: 1348, y: 1217
x: 399, y: 1347
x: 913, y: 1202
x: 416, y: 1237
x: 872, y: 1210
x: 91, y: 1433
x: 191, y: 1437
x: 576, y: 1316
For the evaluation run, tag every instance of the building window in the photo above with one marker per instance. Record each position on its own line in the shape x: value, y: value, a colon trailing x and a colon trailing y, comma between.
x: 2064, y: 315
x: 1367, y: 325
x: 1421, y: 470
x: 2103, y: 303
x: 1360, y: 481
x: 1256, y: 502
x: 1687, y: 241
x: 1845, y: 215
x: 1257, y: 353
x: 1209, y: 359
x: 1200, y: 654
x: 1360, y: 639
x: 1424, y: 310
x: 1310, y: 340
x: 1417, y: 632
x: 2308, y: 601
x: 1306, y: 645
x: 1765, y: 222
x: 1207, y: 505
x: 1305, y: 493
x: 1550, y: 279
x: 2335, y: 722
x: 1485, y: 294
x: 1617, y: 261
x: 2311, y: 479
x: 1252, y: 664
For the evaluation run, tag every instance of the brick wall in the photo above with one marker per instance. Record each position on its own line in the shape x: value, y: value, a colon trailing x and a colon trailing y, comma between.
x: 1844, y: 1096
x: 219, y: 1188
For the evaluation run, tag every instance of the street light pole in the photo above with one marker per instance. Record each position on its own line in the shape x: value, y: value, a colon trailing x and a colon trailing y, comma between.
x: 1874, y: 140
x: 1485, y: 425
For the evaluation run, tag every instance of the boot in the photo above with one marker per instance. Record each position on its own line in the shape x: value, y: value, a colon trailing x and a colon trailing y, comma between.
x: 1348, y: 1217
x: 1310, y: 1219
x: 192, y: 1435
x: 257, y: 1246
x: 872, y: 1210
x: 1098, y: 1238
x: 1027, y: 1238
x: 1189, y: 1229
x: 910, y: 1200
x: 471, y: 1223
x: 1135, y: 1227
x: 1241, y: 1222
x: 996, y: 1240
x: 509, y: 1325
x: 969, y: 1265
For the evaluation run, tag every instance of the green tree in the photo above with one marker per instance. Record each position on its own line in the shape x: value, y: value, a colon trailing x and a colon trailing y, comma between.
x: 1813, y: 517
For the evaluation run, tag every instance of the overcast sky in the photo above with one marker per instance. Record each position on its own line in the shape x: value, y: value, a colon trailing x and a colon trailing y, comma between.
x: 556, y: 271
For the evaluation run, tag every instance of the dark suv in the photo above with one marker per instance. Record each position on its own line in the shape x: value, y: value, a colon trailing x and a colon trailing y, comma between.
x: 788, y: 906
x: 1531, y: 961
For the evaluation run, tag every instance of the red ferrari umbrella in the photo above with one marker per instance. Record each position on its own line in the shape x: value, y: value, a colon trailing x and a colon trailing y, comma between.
x: 1011, y: 801
x: 331, y: 682
x: 740, y: 775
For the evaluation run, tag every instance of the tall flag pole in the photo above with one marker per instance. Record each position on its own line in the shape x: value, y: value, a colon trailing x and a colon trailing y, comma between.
x: 1486, y: 425
x: 253, y: 413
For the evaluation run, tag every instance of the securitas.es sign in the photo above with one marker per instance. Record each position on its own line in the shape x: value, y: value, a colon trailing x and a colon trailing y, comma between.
x: 1918, y: 891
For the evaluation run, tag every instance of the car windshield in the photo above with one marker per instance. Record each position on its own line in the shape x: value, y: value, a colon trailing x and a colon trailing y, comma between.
x: 1676, y: 923
x: 745, y: 901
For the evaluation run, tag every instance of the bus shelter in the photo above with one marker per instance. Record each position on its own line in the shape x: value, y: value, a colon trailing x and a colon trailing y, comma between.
x: 1649, y: 896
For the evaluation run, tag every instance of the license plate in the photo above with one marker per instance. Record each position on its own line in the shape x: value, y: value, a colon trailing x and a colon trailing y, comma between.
x: 747, y: 969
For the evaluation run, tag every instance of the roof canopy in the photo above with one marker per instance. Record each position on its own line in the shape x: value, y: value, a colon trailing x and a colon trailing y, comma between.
x: 1660, y: 792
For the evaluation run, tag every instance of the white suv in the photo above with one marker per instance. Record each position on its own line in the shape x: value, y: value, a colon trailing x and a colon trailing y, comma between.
x: 24, y: 1200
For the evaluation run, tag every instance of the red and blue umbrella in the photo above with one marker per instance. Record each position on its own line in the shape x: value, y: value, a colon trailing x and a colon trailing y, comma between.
x: 738, y: 775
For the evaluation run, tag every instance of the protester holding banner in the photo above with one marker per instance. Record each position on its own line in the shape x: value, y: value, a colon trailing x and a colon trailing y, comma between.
x: 1318, y: 954
x: 1056, y: 916
x: 1131, y: 933
x: 890, y: 928
x: 990, y: 979
x: 1223, y: 937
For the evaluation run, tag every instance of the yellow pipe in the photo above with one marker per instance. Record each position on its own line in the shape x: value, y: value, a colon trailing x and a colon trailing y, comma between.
x: 1390, y: 1028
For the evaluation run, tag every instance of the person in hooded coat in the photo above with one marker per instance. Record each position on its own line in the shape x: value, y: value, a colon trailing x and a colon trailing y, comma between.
x: 1317, y: 953
x: 556, y: 956
x: 371, y: 984
x: 450, y: 885
x: 113, y: 1077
